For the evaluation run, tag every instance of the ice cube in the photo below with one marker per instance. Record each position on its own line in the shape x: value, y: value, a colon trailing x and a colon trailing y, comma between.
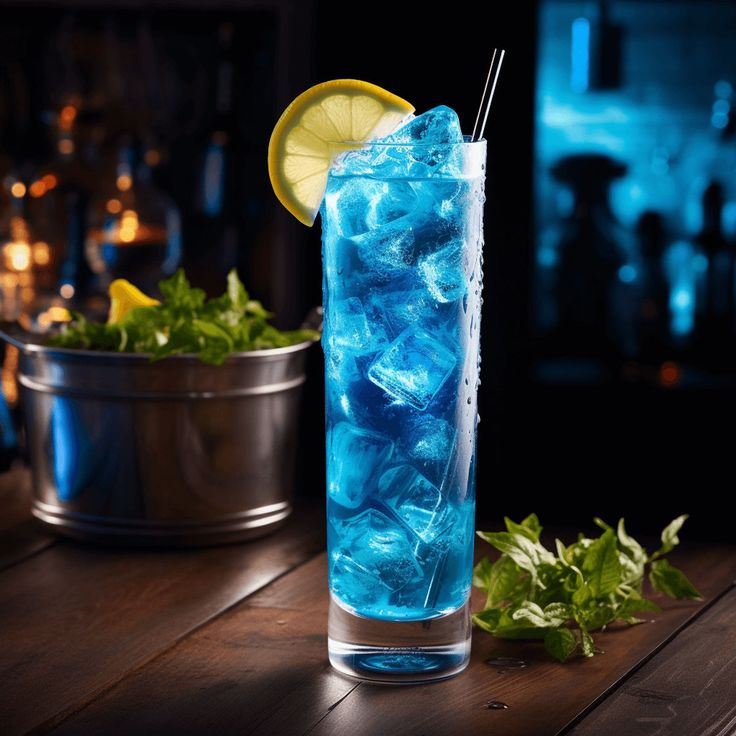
x: 397, y: 199
x: 438, y: 125
x: 381, y: 548
x: 355, y: 459
x: 443, y: 272
x: 353, y: 584
x: 413, y: 368
x: 349, y: 201
x: 430, y: 443
x: 389, y: 250
x: 415, y: 501
x: 349, y: 327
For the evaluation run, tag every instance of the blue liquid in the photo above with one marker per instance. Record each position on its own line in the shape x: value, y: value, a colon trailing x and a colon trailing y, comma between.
x: 402, y: 238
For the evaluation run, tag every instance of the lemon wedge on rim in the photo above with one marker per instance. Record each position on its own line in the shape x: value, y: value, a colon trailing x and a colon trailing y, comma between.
x: 124, y: 297
x: 299, y: 152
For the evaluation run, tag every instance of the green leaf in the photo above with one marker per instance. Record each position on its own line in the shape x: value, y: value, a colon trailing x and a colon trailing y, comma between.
x: 560, y: 643
x: 561, y: 598
x: 236, y: 292
x: 601, y: 565
x: 527, y: 554
x: 529, y: 527
x: 586, y: 644
x: 532, y: 615
x: 635, y: 604
x: 629, y: 545
x: 482, y: 574
x: 672, y: 582
x: 505, y: 582
x: 669, y: 537
x: 499, y: 622
x: 185, y: 322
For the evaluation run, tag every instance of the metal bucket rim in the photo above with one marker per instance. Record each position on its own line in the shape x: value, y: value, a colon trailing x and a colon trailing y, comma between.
x: 108, y: 356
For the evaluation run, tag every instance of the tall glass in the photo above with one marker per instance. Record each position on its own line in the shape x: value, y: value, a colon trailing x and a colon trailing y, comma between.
x: 402, y: 250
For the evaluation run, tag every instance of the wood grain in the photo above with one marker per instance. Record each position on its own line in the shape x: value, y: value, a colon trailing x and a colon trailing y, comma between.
x: 75, y: 619
x: 687, y: 688
x: 261, y: 669
x: 20, y: 537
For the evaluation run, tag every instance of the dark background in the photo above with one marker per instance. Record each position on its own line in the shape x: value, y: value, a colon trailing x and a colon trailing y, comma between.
x: 572, y: 427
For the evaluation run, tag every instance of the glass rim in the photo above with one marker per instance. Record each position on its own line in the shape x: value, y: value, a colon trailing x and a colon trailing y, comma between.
x: 362, y: 145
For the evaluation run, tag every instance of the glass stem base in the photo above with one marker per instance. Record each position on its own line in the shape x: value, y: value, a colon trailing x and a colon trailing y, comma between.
x: 399, y: 651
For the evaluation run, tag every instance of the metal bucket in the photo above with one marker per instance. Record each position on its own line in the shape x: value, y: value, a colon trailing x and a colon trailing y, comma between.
x: 169, y: 453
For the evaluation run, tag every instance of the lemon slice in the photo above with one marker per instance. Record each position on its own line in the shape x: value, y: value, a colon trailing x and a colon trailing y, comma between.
x: 125, y: 297
x: 299, y: 154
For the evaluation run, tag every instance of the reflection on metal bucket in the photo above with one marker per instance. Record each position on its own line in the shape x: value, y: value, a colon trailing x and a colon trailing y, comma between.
x: 169, y: 453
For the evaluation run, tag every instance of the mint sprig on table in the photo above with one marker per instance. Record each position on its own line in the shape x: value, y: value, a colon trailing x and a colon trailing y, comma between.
x: 562, y: 596
x: 185, y: 322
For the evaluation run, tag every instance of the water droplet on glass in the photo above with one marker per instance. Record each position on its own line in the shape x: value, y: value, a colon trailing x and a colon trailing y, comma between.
x: 496, y: 705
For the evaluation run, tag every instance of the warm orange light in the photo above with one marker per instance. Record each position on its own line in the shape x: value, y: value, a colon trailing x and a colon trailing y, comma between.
x: 67, y: 117
x: 124, y: 182
x: 25, y: 279
x: 669, y: 374
x: 9, y: 372
x: 66, y: 146
x: 37, y: 189
x: 18, y: 189
x: 53, y: 314
x: 114, y: 206
x: 66, y: 291
x: 17, y: 256
x: 41, y: 253
x: 152, y: 157
x: 18, y: 229
x: 49, y: 181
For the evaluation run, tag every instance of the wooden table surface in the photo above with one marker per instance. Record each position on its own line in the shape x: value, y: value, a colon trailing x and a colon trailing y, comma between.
x: 232, y: 640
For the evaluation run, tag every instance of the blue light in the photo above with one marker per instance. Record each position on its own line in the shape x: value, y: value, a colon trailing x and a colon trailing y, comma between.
x: 719, y: 120
x: 627, y: 274
x: 682, y: 299
x: 723, y: 106
x: 580, y: 55
x: 547, y: 257
x: 700, y: 263
x: 728, y: 219
x: 723, y: 89
x: 679, y: 262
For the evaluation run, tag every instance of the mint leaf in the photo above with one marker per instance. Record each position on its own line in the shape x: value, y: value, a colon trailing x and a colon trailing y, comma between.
x: 602, y: 565
x: 186, y: 322
x: 560, y: 643
x: 586, y: 644
x: 528, y: 528
x: 629, y: 545
x: 669, y: 537
x: 501, y: 581
x: 561, y: 598
x: 672, y: 582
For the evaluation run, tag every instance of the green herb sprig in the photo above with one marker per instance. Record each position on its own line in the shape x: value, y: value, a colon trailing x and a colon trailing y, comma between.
x: 561, y: 597
x: 185, y: 322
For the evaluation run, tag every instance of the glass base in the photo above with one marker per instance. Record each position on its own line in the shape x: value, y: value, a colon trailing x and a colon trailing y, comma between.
x: 399, y: 651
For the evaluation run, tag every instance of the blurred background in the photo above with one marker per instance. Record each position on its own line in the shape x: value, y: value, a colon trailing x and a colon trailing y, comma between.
x: 133, y: 139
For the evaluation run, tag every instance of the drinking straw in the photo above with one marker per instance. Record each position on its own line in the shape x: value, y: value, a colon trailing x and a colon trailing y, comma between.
x: 488, y: 90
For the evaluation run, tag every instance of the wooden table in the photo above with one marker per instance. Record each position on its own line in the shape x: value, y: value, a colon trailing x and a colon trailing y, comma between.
x: 231, y: 640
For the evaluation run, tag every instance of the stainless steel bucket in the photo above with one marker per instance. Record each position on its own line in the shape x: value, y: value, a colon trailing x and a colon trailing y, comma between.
x: 169, y: 453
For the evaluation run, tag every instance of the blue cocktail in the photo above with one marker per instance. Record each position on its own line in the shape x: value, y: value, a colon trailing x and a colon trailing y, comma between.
x: 402, y: 249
